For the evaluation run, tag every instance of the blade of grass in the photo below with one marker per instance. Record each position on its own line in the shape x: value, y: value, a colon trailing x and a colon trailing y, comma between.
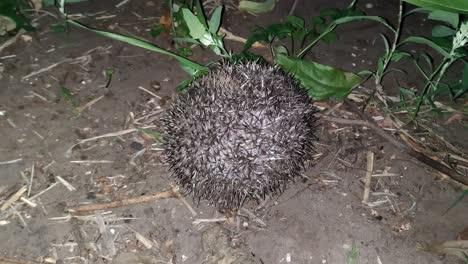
x: 189, y: 66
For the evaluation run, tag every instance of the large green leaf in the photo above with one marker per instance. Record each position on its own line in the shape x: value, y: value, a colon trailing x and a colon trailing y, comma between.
x: 448, y: 17
x: 320, y: 81
x: 256, y: 8
x: 440, y: 31
x: 196, y: 28
x: 455, y: 6
x: 189, y: 66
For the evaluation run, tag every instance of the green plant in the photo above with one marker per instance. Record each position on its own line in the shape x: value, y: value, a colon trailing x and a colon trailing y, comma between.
x: 257, y: 8
x: 11, y: 17
x: 448, y: 40
x: 352, y: 256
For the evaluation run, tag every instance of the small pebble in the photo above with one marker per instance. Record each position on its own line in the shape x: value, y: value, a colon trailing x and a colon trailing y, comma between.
x: 369, y: 5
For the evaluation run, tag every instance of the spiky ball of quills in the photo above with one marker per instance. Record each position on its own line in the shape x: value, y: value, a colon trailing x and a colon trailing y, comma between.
x: 240, y: 132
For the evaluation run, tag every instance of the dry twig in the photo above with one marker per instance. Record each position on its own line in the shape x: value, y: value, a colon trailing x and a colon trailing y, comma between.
x: 370, y: 169
x: 124, y: 202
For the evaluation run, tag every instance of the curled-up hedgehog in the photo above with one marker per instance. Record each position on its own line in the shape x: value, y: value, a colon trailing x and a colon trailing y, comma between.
x: 238, y: 133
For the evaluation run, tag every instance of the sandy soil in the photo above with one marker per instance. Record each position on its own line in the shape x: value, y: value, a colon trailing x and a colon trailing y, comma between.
x: 317, y: 220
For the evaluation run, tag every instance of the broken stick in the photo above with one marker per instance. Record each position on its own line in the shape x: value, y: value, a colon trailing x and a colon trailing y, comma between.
x: 124, y: 202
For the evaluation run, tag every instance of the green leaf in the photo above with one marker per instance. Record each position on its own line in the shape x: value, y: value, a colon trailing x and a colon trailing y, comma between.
x: 157, y: 30
x: 257, y: 8
x: 421, y: 40
x: 196, y: 28
x: 317, y: 21
x: 330, y: 37
x: 333, y: 13
x: 281, y: 50
x: 442, y: 31
x: 295, y: 21
x: 444, y: 16
x: 443, y: 42
x: 320, y: 81
x: 380, y: 66
x: 201, y: 14
x: 354, y: 18
x: 455, y: 6
x: 215, y: 20
x: 187, y: 40
x: 386, y: 43
x: 398, y: 55
x: 189, y: 66
x: 417, y: 10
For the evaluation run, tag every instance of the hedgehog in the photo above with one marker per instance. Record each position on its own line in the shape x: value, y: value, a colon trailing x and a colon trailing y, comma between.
x: 241, y: 132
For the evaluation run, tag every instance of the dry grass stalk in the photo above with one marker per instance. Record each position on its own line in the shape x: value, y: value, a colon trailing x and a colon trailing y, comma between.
x: 31, y: 180
x: 38, y: 135
x: 124, y: 202
x: 28, y: 202
x: 88, y: 104
x: 149, y: 92
x: 48, y: 68
x: 4, y: 260
x: 66, y: 184
x: 106, y: 236
x: 145, y: 241
x: 38, y: 96
x: 369, y: 170
x: 210, y: 220
x: 113, y: 134
x: 10, y: 161
x: 183, y: 200
x: 91, y: 161
x: 15, y: 197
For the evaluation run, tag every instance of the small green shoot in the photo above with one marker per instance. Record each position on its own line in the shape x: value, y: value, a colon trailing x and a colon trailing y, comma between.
x: 66, y: 94
x: 157, y: 30
x: 109, y: 72
x: 352, y: 257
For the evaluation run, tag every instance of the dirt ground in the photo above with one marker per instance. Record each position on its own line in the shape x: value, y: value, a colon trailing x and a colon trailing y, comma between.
x: 318, y: 219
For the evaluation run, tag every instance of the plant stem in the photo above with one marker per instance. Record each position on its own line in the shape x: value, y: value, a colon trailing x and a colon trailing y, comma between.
x: 329, y: 29
x: 429, y: 83
x: 388, y: 57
